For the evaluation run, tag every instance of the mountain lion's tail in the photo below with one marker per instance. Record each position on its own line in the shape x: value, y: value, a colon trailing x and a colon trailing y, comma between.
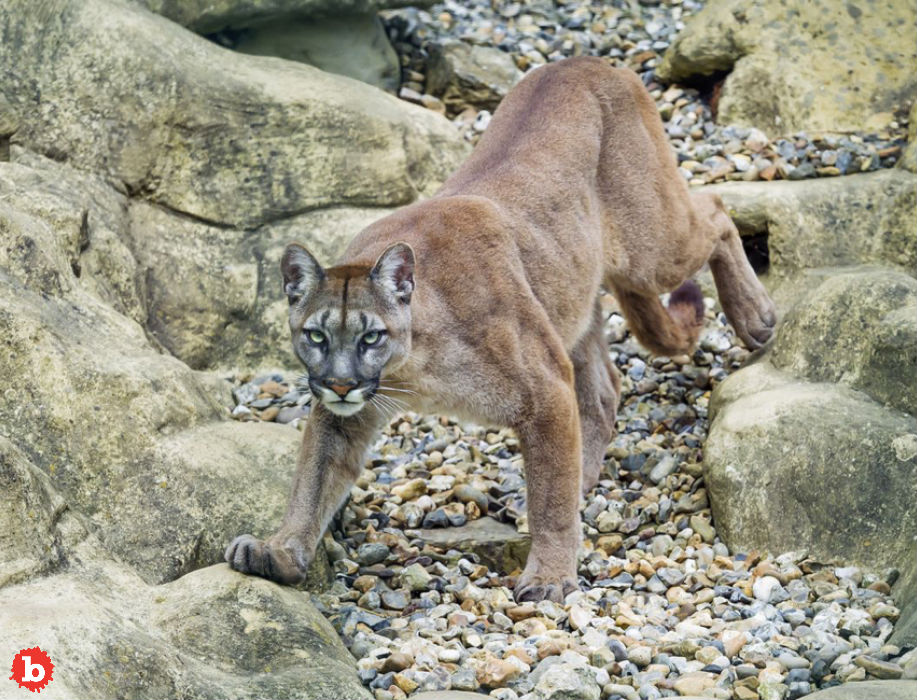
x: 665, y: 331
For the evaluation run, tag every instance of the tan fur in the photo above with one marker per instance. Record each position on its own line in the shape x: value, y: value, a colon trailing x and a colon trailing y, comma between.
x: 572, y: 187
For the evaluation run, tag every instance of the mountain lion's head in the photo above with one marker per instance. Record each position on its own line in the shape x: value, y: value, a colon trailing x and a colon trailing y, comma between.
x: 349, y: 322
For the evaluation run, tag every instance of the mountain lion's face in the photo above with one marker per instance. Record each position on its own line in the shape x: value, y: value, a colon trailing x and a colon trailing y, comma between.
x: 348, y: 323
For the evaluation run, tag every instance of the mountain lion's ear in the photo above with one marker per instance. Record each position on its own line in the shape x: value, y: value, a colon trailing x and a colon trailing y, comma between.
x: 301, y: 272
x: 394, y: 271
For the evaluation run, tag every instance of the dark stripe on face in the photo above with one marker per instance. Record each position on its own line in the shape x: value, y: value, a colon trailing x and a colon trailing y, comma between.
x: 344, y: 303
x: 325, y: 319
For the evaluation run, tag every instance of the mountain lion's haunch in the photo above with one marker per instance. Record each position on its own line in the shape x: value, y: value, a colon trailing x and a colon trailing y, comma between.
x: 481, y: 302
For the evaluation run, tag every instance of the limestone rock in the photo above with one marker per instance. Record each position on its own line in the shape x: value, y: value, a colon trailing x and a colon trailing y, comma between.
x: 563, y: 682
x: 829, y: 222
x: 86, y: 217
x: 208, y: 294
x: 213, y: 633
x: 352, y: 45
x: 344, y: 38
x: 463, y: 74
x: 801, y: 64
x: 201, y: 283
x: 220, y: 136
x: 905, y: 634
x: 29, y: 508
x: 205, y: 16
x: 821, y: 456
x: 859, y: 327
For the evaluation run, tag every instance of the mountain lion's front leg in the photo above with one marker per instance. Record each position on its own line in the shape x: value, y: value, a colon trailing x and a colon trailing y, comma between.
x: 550, y: 437
x: 330, y: 459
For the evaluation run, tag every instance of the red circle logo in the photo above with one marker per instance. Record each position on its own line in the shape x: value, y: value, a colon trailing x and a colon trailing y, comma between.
x: 32, y: 669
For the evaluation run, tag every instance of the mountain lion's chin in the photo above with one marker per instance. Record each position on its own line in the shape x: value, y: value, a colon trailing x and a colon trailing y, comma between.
x: 343, y: 408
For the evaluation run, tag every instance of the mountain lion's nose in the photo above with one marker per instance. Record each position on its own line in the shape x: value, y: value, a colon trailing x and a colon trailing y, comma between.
x: 341, y: 387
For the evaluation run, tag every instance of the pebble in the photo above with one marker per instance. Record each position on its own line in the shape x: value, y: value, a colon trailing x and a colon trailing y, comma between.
x: 765, y: 588
x: 879, y: 669
x: 640, y: 656
x: 371, y: 553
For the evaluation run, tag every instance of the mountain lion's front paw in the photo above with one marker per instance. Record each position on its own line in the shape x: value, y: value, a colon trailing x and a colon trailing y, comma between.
x: 283, y: 563
x: 534, y: 587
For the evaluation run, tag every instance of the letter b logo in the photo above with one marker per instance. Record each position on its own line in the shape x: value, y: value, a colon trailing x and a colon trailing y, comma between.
x: 33, y: 673
x: 32, y: 669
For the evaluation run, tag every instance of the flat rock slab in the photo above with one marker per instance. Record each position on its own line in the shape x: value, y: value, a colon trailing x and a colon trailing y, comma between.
x: 868, y: 690
x: 830, y: 221
x: 498, y: 545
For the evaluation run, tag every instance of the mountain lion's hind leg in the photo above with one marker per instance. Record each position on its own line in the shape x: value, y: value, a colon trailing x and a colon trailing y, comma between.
x: 330, y: 459
x: 744, y: 299
x: 597, y: 390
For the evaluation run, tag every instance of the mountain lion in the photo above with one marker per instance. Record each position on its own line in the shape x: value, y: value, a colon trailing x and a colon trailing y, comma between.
x: 481, y: 302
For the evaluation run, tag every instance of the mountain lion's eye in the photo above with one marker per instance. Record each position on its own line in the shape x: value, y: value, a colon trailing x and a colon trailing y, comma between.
x: 317, y: 337
x: 371, y: 338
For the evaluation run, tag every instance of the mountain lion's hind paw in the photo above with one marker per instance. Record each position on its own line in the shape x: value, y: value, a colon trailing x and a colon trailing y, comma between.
x: 534, y: 588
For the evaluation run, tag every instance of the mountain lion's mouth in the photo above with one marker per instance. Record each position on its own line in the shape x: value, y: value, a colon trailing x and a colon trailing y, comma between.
x: 346, y: 405
x: 340, y: 407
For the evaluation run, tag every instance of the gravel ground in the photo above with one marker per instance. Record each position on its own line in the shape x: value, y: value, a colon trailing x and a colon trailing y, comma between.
x: 633, y: 34
x: 664, y: 607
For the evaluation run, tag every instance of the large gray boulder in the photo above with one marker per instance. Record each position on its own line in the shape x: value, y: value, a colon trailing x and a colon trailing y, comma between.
x: 346, y: 38
x: 177, y: 210
x: 206, y: 16
x: 127, y: 94
x: 858, y: 328
x: 815, y: 446
x: 797, y: 65
x: 29, y: 509
x: 353, y: 45
x: 211, y: 634
x: 795, y: 465
x: 909, y: 157
x: 140, y: 444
